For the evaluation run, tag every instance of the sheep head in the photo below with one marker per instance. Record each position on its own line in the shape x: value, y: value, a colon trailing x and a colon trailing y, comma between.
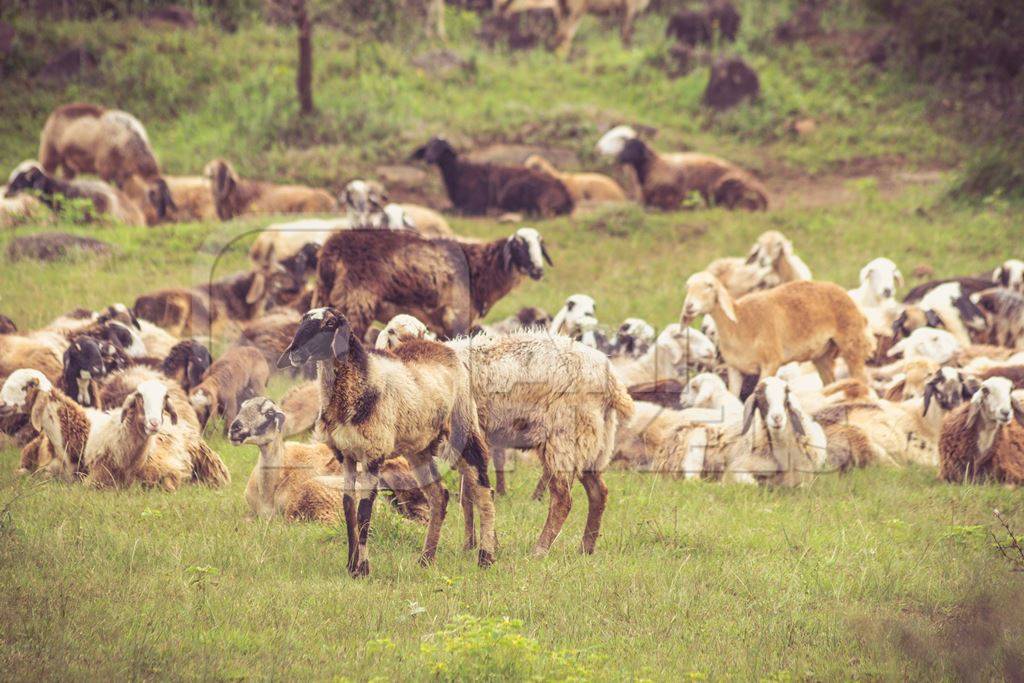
x: 20, y: 391
x: 578, y: 315
x: 880, y: 277
x: 994, y: 402
x: 259, y: 421
x: 83, y: 361
x: 323, y: 333
x: 634, y: 336
x: 399, y: 329
x: 146, y: 406
x: 159, y: 195
x: 769, y: 248
x: 912, y: 318
x: 187, y: 362
x: 525, y: 251
x: 704, y: 293
x: 362, y: 200
x: 948, y: 388
x: 685, y: 345
x: 223, y: 183
x: 436, y: 151
x: 121, y: 313
x: 1010, y: 275
x: 612, y: 143
x: 776, y: 404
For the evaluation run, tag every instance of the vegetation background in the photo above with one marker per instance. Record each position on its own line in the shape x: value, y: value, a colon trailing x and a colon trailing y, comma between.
x: 915, y: 153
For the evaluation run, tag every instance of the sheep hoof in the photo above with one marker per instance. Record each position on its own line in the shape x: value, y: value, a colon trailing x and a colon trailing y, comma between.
x: 470, y: 544
x: 485, y: 559
x: 361, y: 570
x: 539, y: 552
x: 425, y: 560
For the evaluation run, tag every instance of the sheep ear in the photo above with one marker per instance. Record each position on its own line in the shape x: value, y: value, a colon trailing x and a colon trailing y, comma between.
x: 257, y: 289
x: 970, y: 387
x: 929, y: 391
x: 506, y: 255
x: 544, y: 252
x: 340, y: 343
x: 898, y: 276
x: 748, y: 412
x: 279, y: 419
x: 794, y: 418
x: 752, y: 256
x: 1018, y: 412
x: 933, y: 320
x: 725, y: 301
x: 36, y: 414
x: 559, y: 320
x: 194, y: 372
x: 171, y: 412
x: 998, y: 276
x: 865, y: 273
x: 129, y: 407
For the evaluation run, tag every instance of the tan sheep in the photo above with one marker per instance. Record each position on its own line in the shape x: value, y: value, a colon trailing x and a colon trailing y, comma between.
x: 234, y: 196
x: 595, y: 188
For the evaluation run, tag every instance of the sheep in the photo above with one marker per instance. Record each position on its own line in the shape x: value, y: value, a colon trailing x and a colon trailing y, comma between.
x: 772, y: 251
x: 528, y: 318
x: 364, y: 203
x: 447, y: 284
x: 927, y: 342
x: 632, y: 340
x: 578, y: 319
x: 787, y: 457
x: 476, y: 187
x: 1004, y: 313
x: 667, y: 180
x: 117, y: 448
x: 905, y: 432
x: 984, y: 439
x: 293, y: 480
x: 106, y: 199
x: 569, y: 13
x: 426, y: 221
x: 740, y: 277
x: 399, y: 329
x: 595, y: 188
x: 270, y: 334
x: 42, y: 352
x: 708, y: 391
x: 87, y: 138
x: 301, y: 406
x: 879, y: 280
x: 83, y: 367
x: 960, y: 316
x: 242, y: 372
x: 118, y: 385
x: 796, y: 321
x: 279, y: 241
x: 1010, y: 275
x: 412, y: 402
x: 657, y: 439
x: 676, y: 351
x: 235, y: 197
x: 966, y: 286
x: 694, y: 28
x: 561, y: 399
x: 911, y: 381
x: 192, y: 200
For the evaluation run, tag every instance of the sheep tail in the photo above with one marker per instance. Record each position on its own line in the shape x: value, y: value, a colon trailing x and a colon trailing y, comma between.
x: 620, y: 400
x: 207, y: 466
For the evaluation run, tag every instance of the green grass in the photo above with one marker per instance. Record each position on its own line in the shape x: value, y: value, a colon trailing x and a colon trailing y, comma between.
x: 880, y: 574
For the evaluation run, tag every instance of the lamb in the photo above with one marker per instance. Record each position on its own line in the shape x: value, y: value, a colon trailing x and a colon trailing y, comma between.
x: 106, y: 199
x: 577, y: 319
x: 561, y: 399
x: 447, y: 284
x: 235, y: 197
x: 294, y: 480
x: 569, y: 13
x: 667, y: 180
x: 241, y: 373
x: 1004, y: 313
x: 708, y: 391
x: 381, y: 405
x: 984, y: 439
x: 87, y: 138
x: 117, y: 448
x: 1010, y: 275
x: 595, y: 188
x: 796, y: 321
x: 965, y: 285
x: 475, y: 187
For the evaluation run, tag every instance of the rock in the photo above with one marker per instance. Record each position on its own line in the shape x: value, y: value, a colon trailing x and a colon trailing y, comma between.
x: 53, y: 246
x: 731, y: 82
x: 69, y: 63
x: 441, y: 63
x: 172, y: 16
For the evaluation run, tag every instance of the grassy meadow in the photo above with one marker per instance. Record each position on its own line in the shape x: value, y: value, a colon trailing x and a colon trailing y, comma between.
x: 881, y: 574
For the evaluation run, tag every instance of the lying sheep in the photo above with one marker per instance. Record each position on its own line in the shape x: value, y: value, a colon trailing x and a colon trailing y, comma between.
x: 796, y: 321
x: 632, y: 340
x: 1004, y: 313
x: 87, y: 138
x: 984, y: 439
x: 240, y: 373
x: 234, y: 196
x: 474, y: 188
x: 106, y: 199
x: 595, y: 188
x: 667, y: 180
x: 191, y: 200
x: 772, y: 251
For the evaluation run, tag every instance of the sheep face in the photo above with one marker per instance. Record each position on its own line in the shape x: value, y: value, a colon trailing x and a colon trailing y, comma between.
x: 125, y: 337
x: 159, y: 195
x: 578, y: 315
x: 22, y: 168
x: 701, y: 390
x: 769, y: 248
x: 302, y: 263
x: 19, y: 390
x: 363, y: 200
x: 1010, y: 275
x: 323, y: 333
x: 995, y: 403
x: 703, y: 293
x: 187, y: 362
x: 948, y: 388
x: 146, y: 407
x: 436, y: 151
x: 259, y: 421
x: 685, y: 344
x: 634, y: 153
x: 612, y: 143
x: 31, y: 178
x: 525, y: 251
x: 880, y: 278
x: 776, y: 405
x: 913, y: 318
x: 399, y: 329
x: 634, y: 337
x: 83, y: 361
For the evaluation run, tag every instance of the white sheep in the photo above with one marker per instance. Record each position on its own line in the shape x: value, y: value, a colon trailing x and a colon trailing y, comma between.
x: 1010, y: 275
x: 577, y: 319
x: 675, y: 352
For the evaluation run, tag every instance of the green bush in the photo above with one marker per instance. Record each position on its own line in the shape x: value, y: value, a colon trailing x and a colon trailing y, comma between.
x: 995, y: 172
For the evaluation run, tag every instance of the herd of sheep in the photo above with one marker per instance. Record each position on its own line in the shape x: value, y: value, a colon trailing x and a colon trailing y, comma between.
x: 787, y: 378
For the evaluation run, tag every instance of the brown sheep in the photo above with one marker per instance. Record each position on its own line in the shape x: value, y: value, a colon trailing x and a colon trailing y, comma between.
x: 984, y: 439
x: 447, y: 284
x: 667, y: 180
x: 271, y: 333
x: 106, y: 199
x: 241, y: 373
x: 584, y: 187
x: 234, y: 196
x: 193, y: 199
x: 88, y: 138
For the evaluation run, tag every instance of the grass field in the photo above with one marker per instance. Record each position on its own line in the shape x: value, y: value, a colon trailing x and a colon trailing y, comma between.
x: 882, y: 574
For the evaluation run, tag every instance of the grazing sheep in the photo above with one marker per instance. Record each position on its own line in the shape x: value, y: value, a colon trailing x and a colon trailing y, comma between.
x: 984, y: 439
x: 569, y: 13
x: 595, y: 188
x: 87, y: 138
x: 106, y: 199
x: 234, y: 196
x: 241, y: 373
x: 476, y: 187
x: 1004, y: 313
x: 559, y: 398
x: 796, y: 321
x: 294, y: 480
x: 447, y: 284
x: 381, y: 405
x: 1010, y: 275
x: 667, y: 180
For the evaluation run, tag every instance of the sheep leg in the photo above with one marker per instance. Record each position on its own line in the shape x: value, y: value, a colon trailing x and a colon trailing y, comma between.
x: 542, y: 483
x: 629, y: 17
x: 230, y: 411
x: 566, y: 32
x: 498, y: 455
x: 558, y: 510
x: 348, y: 504
x: 735, y: 381
x: 364, y: 511
x: 479, y: 495
x: 429, y: 480
x: 597, y: 498
x: 466, y: 499
x: 825, y: 364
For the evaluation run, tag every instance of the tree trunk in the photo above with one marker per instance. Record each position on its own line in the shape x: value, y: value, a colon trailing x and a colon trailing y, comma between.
x: 304, y: 78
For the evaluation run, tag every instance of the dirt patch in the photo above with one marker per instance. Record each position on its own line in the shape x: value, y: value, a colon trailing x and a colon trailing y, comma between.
x: 54, y: 246
x: 413, y: 185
